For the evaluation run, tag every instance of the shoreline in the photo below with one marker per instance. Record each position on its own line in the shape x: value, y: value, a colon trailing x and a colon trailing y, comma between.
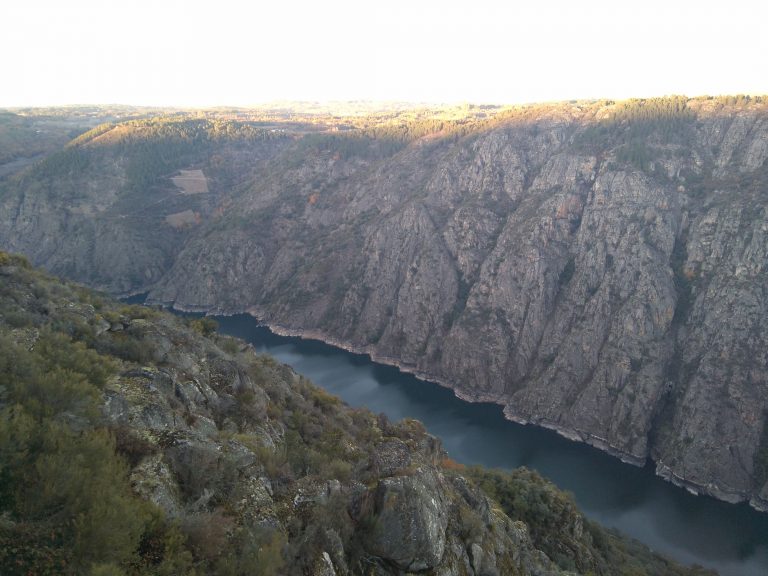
x: 661, y: 469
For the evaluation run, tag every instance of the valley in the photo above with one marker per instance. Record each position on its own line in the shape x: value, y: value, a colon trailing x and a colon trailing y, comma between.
x: 598, y: 268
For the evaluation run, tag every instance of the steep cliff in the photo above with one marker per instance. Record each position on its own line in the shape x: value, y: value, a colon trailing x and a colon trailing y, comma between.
x: 135, y: 442
x: 597, y: 268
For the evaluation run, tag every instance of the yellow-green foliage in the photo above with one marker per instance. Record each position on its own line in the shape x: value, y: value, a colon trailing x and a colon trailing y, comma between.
x: 7, y: 259
x: 135, y: 311
x: 205, y: 326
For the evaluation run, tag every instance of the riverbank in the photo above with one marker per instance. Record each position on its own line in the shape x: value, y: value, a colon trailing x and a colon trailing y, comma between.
x: 661, y: 469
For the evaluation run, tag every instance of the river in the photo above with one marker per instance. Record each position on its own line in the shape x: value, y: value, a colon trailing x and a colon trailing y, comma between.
x: 732, y: 539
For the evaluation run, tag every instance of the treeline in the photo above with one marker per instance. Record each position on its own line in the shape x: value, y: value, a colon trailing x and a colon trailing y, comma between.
x: 385, y: 139
x: 159, y: 146
x: 665, y: 118
x: 635, y: 126
x: 739, y: 100
x: 179, y: 127
x: 346, y: 145
x: 154, y: 147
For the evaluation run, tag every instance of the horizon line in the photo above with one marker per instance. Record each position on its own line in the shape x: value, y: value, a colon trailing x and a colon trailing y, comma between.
x: 378, y: 102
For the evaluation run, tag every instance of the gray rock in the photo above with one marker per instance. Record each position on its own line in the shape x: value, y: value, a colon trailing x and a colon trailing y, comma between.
x: 153, y: 480
x: 476, y: 557
x: 390, y: 457
x: 324, y: 566
x: 410, y: 521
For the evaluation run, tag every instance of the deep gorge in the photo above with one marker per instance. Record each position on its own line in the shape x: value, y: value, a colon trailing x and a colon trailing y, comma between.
x: 597, y: 268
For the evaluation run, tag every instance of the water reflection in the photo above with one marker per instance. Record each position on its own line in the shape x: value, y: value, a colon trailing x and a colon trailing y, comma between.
x: 730, y: 538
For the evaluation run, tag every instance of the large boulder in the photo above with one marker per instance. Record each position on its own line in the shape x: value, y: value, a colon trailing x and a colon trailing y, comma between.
x: 410, y: 521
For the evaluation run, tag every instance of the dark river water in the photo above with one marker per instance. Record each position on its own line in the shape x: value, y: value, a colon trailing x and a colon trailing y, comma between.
x: 733, y: 539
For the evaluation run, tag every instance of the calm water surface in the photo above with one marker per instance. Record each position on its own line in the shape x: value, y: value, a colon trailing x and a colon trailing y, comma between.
x: 733, y: 539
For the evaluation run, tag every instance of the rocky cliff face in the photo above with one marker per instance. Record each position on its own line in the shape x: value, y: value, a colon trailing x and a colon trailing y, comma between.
x: 598, y: 269
x: 226, y: 462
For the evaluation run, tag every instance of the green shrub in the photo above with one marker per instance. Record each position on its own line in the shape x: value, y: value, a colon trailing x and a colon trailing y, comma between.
x: 229, y: 345
x: 62, y: 485
x: 7, y: 259
x: 127, y: 347
x: 73, y: 483
x: 205, y: 326
x: 253, y: 552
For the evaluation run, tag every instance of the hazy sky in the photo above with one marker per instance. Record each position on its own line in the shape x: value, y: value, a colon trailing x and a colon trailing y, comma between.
x: 226, y: 52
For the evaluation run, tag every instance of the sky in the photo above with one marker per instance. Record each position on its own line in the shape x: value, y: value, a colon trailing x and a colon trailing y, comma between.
x: 238, y: 53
